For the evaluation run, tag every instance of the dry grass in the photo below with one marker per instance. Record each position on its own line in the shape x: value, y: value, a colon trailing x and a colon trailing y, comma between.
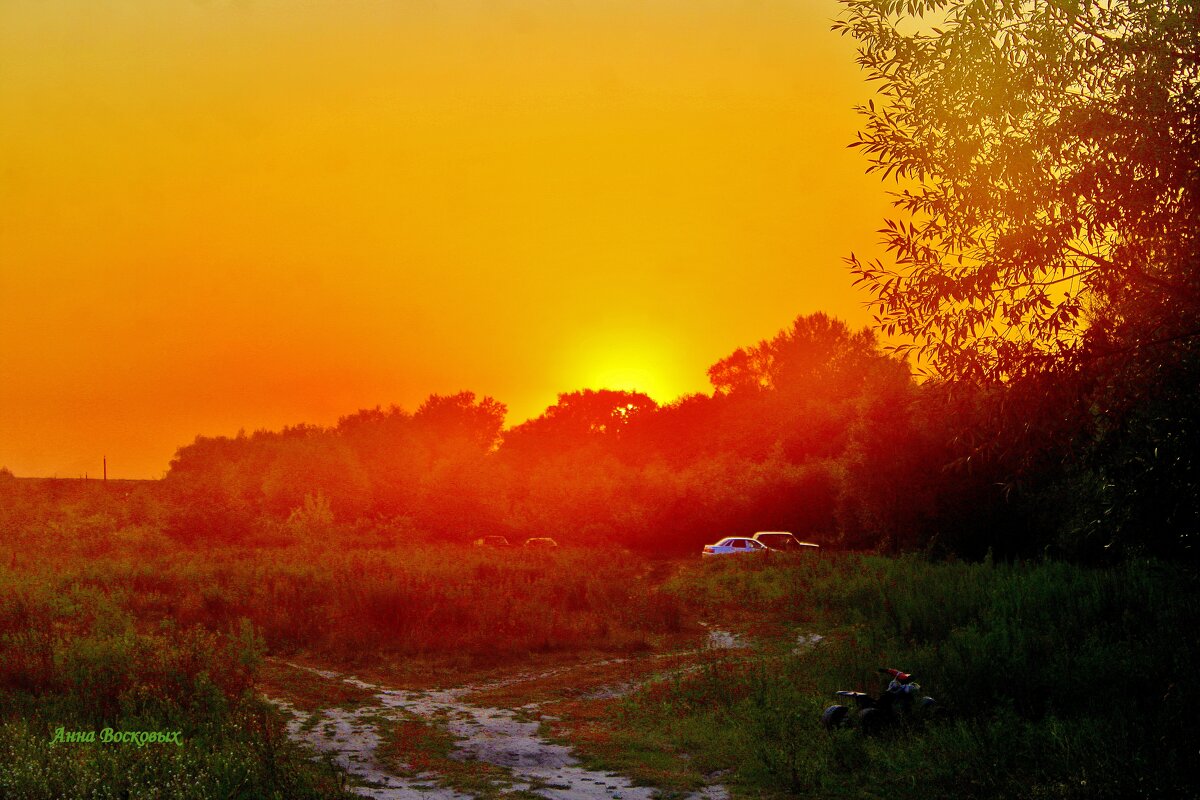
x: 306, y: 690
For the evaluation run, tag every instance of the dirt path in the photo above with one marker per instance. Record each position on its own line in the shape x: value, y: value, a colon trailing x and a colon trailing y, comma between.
x: 509, y: 739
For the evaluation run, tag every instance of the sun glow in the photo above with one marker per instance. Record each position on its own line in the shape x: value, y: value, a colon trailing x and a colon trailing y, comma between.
x: 219, y: 215
x: 631, y: 360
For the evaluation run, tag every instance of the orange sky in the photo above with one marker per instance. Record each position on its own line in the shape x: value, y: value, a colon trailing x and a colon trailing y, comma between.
x: 218, y: 215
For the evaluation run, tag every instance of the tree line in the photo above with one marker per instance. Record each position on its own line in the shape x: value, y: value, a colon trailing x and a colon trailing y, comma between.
x: 1041, y: 271
x: 818, y: 430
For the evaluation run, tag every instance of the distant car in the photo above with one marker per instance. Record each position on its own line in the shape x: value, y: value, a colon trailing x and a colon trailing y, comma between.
x: 784, y: 540
x: 492, y: 541
x: 541, y: 541
x: 733, y: 545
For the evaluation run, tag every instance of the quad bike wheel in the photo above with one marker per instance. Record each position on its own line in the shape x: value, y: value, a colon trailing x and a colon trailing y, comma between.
x: 835, y: 717
x: 871, y: 721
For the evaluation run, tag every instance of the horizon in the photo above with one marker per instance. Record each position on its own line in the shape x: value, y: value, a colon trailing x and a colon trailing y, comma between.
x: 235, y: 216
x: 509, y: 424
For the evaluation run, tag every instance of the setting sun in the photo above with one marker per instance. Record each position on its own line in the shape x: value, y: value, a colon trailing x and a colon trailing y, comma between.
x: 629, y: 359
x: 489, y: 399
x: 233, y: 215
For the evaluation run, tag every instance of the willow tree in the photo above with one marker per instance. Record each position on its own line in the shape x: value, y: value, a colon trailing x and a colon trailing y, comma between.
x: 1046, y: 155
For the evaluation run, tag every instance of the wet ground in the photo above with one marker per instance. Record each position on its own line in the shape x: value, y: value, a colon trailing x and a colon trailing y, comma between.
x: 507, y: 743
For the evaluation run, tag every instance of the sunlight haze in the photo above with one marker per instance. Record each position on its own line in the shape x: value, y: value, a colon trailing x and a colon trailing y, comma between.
x: 226, y: 215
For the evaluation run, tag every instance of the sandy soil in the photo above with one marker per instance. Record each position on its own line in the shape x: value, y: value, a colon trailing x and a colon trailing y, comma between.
x: 508, y: 738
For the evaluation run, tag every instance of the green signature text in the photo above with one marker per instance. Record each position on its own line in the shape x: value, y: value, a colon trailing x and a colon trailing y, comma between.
x: 110, y: 736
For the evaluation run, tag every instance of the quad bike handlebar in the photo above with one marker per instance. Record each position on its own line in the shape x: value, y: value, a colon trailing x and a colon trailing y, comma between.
x: 897, y: 675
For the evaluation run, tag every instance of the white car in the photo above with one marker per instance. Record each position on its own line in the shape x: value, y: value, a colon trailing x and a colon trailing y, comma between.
x: 733, y: 545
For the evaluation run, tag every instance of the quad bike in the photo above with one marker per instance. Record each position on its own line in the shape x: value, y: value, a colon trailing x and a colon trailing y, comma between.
x: 898, y: 703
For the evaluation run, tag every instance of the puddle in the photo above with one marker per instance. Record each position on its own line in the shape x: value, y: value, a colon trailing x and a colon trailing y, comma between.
x: 806, y: 642
x: 725, y: 640
x: 497, y: 736
x: 351, y: 739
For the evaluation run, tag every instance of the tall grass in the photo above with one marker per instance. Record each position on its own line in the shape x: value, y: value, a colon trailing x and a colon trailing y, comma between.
x: 337, y: 590
x: 487, y: 605
x: 115, y: 625
x: 1062, y: 681
x: 72, y: 657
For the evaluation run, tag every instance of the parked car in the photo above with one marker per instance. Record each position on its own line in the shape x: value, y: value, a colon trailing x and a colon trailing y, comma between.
x: 492, y: 541
x: 785, y: 540
x: 541, y: 541
x: 733, y: 545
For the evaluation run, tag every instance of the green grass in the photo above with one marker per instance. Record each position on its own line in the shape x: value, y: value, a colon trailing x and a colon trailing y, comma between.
x: 1062, y: 681
x: 73, y: 658
x: 127, y: 634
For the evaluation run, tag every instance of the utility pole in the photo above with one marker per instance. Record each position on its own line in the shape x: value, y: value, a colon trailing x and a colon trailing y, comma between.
x: 106, y: 469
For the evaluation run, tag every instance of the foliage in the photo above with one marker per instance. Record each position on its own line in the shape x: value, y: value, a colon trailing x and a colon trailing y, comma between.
x: 146, y: 634
x: 816, y: 430
x: 817, y: 355
x: 765, y: 450
x: 578, y: 420
x: 1136, y: 478
x: 1058, y: 674
x: 73, y: 656
x: 1046, y: 154
x: 1060, y: 681
x: 328, y: 590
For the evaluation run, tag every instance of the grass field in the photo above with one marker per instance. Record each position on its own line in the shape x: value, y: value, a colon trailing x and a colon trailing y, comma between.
x: 1062, y: 681
x: 107, y: 623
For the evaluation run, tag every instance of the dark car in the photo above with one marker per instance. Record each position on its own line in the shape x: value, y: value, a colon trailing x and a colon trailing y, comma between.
x: 785, y: 540
x: 541, y: 541
x: 492, y: 541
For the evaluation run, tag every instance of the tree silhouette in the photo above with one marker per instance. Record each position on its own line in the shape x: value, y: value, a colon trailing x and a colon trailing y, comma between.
x: 816, y: 355
x: 1046, y: 157
x: 462, y: 418
x: 798, y: 390
x: 579, y: 419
